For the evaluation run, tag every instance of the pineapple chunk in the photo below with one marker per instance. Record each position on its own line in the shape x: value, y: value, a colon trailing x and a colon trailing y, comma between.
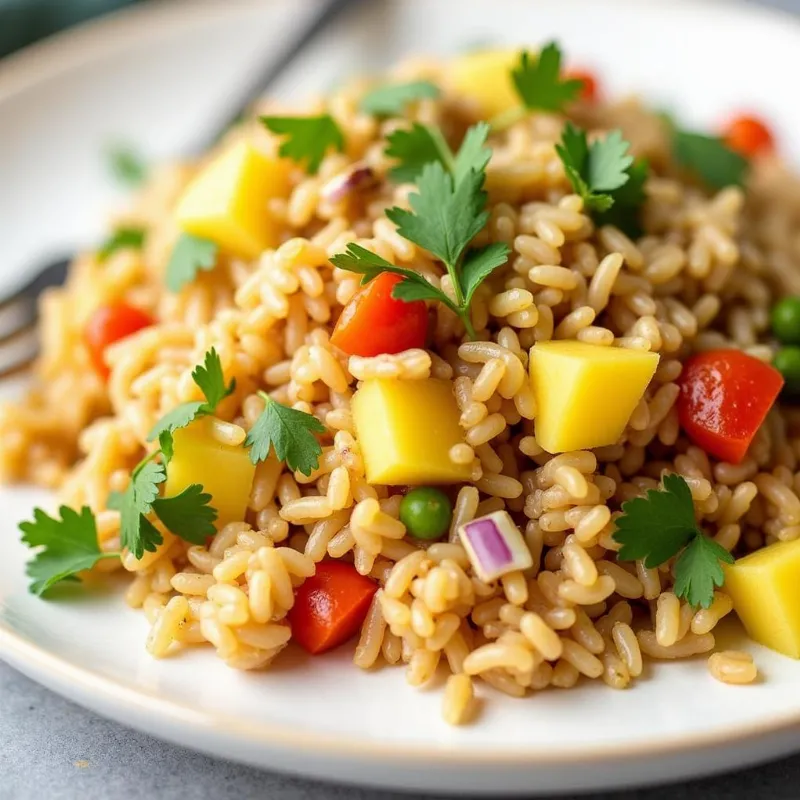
x: 485, y: 78
x: 586, y: 393
x: 766, y: 595
x: 223, y: 470
x: 406, y: 430
x: 227, y: 201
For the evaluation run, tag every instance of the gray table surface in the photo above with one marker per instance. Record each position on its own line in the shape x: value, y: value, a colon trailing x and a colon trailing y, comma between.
x: 53, y: 749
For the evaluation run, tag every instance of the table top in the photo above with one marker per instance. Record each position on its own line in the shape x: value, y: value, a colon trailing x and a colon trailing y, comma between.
x: 51, y: 748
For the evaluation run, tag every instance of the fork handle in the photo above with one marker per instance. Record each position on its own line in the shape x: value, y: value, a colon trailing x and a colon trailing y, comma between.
x: 276, y: 66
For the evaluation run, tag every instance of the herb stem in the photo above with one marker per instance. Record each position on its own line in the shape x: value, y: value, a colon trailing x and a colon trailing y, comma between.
x: 505, y: 119
x: 442, y: 147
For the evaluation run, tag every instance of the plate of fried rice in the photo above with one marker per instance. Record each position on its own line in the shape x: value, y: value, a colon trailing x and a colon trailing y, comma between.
x: 438, y: 427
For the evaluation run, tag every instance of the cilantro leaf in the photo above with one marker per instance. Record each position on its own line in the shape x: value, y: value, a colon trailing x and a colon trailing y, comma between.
x: 709, y: 158
x: 654, y: 528
x: 189, y: 256
x: 628, y: 199
x: 127, y: 166
x: 479, y: 264
x: 391, y: 98
x: 290, y: 432
x: 69, y: 545
x: 188, y: 514
x: 414, y: 149
x: 538, y: 81
x: 114, y: 501
x: 308, y: 138
x: 211, y: 380
x: 699, y: 569
x: 137, y: 533
x: 122, y: 238
x: 472, y: 155
x: 368, y: 264
x: 444, y: 218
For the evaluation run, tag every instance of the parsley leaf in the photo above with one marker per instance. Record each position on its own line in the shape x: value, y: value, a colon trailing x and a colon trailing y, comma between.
x: 657, y: 527
x: 392, y: 98
x: 364, y: 262
x: 608, y: 179
x: 414, y: 149
x: 478, y: 265
x: 539, y: 84
x: 308, y: 138
x: 709, y: 158
x: 699, y: 569
x: 188, y: 514
x: 211, y: 380
x: 290, y: 432
x: 189, y: 256
x: 137, y: 533
x: 127, y: 166
x: 69, y: 546
x: 122, y: 238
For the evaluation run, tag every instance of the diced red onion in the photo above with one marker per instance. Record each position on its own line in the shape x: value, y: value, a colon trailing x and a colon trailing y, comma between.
x: 495, y: 546
x: 345, y: 183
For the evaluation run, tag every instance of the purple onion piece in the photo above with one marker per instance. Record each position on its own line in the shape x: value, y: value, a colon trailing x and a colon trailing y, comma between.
x: 495, y: 546
x: 346, y: 183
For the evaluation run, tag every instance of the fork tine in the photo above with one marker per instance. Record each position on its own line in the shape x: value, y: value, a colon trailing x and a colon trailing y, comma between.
x: 17, y: 367
x: 17, y: 317
x: 18, y: 348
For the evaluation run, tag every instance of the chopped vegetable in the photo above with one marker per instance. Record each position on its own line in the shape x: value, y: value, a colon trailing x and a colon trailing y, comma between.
x: 189, y: 256
x: 392, y: 98
x: 122, y: 239
x: 202, y: 458
x: 484, y: 77
x: 709, y: 158
x: 658, y: 526
x: 725, y: 396
x: 786, y: 320
x: 69, y: 546
x: 787, y: 362
x: 330, y: 606
x: 209, y: 377
x: 585, y: 393
x: 289, y: 432
x: 127, y: 166
x: 406, y: 429
x: 109, y: 324
x: 589, y: 92
x: 226, y: 204
x: 495, y: 546
x: 766, y: 595
x: 426, y: 512
x: 308, y: 138
x: 374, y: 322
x: 345, y: 184
x: 748, y: 136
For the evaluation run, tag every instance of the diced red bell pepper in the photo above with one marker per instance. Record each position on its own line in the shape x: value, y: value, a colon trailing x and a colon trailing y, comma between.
x: 748, y: 136
x: 725, y: 396
x: 374, y: 322
x: 589, y: 91
x: 330, y: 606
x: 109, y: 324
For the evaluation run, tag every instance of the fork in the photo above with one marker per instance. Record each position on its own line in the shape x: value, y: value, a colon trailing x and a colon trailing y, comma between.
x: 19, y: 310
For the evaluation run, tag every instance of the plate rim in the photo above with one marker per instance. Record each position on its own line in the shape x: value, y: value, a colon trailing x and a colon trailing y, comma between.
x: 87, y: 42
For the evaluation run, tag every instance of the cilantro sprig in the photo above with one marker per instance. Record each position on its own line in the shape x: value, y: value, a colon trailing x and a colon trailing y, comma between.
x: 447, y: 211
x: 122, y: 239
x: 68, y: 546
x: 605, y: 175
x: 391, y: 99
x: 211, y: 380
x: 289, y: 432
x: 190, y: 255
x: 126, y: 165
x: 661, y: 525
x: 709, y: 158
x: 540, y: 85
x: 308, y: 139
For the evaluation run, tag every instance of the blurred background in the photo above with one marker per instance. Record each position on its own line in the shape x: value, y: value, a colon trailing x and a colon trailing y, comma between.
x: 25, y: 21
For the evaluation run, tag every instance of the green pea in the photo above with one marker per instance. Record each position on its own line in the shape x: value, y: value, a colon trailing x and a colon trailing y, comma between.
x: 786, y: 320
x: 787, y: 362
x: 426, y: 513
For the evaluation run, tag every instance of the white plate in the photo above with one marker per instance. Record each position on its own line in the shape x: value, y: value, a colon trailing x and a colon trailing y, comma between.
x: 152, y: 76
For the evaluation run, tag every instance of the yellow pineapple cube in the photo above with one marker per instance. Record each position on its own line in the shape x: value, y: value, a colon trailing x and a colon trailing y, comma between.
x: 485, y: 77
